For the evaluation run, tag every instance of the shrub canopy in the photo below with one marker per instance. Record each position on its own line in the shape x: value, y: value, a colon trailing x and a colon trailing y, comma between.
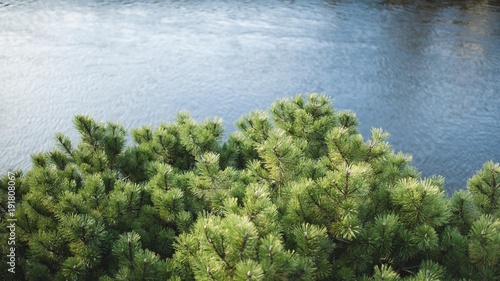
x: 296, y: 193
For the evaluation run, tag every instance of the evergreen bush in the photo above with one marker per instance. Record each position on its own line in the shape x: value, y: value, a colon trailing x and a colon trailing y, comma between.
x: 296, y: 193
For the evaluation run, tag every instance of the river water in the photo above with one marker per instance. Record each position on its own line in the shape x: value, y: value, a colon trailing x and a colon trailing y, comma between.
x: 426, y: 71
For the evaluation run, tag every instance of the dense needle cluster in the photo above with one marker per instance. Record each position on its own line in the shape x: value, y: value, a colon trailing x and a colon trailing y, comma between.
x: 296, y: 193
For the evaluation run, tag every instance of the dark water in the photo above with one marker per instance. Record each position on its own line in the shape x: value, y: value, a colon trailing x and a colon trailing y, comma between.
x: 426, y: 71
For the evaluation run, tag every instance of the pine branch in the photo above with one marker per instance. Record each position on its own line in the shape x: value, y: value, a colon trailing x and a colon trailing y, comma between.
x: 221, y: 253
x: 130, y: 255
x: 339, y: 150
x: 320, y: 206
x: 243, y: 245
x: 143, y: 277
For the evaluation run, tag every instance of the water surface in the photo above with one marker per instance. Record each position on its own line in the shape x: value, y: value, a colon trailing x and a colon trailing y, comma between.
x: 426, y: 71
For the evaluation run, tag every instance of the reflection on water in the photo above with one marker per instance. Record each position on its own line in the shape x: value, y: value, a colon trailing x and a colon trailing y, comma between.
x: 426, y: 71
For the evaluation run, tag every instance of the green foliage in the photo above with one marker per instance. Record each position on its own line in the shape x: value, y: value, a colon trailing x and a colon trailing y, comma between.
x: 295, y: 194
x: 485, y: 188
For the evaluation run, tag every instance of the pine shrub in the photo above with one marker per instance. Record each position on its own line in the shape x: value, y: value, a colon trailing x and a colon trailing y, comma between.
x: 296, y: 193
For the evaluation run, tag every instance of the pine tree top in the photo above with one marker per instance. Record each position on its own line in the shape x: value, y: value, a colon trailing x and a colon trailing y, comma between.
x: 296, y: 193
